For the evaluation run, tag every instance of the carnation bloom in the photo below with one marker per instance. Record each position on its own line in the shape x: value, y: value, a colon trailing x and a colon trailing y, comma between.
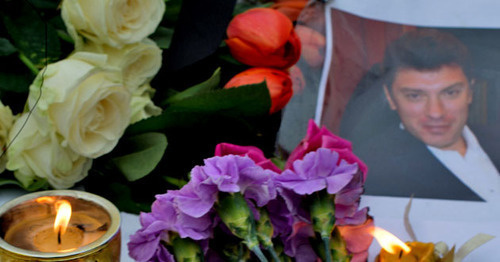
x: 278, y: 83
x: 318, y: 170
x: 225, y: 174
x: 145, y: 244
x: 322, y: 138
x: 263, y: 37
x: 252, y: 152
x: 190, y: 211
x: 358, y: 239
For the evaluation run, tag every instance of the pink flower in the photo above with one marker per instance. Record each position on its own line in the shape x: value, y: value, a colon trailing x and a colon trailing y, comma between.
x: 252, y: 152
x: 358, y: 239
x: 320, y: 137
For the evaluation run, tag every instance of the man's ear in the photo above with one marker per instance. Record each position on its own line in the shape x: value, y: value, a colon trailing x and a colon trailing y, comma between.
x: 388, y: 96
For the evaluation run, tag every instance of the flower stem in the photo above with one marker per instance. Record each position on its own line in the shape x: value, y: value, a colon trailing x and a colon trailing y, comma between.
x: 328, y: 254
x: 273, y: 254
x: 256, y: 250
x: 29, y: 64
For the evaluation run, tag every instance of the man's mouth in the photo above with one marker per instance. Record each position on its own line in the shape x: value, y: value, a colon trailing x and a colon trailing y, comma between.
x: 437, y: 129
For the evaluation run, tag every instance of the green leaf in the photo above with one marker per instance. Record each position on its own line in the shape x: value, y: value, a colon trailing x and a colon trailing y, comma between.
x: 45, y: 4
x: 6, y: 181
x: 175, y: 181
x: 279, y: 162
x: 124, y: 201
x: 6, y: 48
x: 238, y: 103
x: 172, y: 11
x: 201, y: 88
x: 163, y: 37
x: 229, y: 58
x: 143, y: 153
x: 30, y: 34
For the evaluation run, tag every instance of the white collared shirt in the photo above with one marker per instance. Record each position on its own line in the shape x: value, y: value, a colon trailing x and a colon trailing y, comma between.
x: 474, y: 169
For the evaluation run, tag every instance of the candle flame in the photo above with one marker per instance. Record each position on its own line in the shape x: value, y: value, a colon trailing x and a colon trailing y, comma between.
x: 389, y: 242
x: 63, y: 216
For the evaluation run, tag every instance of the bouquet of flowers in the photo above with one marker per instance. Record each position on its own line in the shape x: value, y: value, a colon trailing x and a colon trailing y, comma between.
x: 241, y: 206
x: 92, y: 89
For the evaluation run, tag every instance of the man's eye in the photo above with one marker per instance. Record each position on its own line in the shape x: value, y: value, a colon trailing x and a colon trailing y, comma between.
x: 452, y: 92
x: 413, y: 96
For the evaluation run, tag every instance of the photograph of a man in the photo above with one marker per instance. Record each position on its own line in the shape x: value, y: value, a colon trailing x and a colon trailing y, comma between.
x: 431, y: 152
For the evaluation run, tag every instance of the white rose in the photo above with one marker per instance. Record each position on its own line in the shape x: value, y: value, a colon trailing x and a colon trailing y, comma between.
x: 141, y: 105
x: 87, y: 105
x: 6, y: 121
x: 112, y: 22
x: 36, y: 153
x: 139, y: 62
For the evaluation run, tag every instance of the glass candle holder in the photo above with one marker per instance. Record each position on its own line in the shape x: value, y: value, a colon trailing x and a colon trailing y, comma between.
x: 28, y: 231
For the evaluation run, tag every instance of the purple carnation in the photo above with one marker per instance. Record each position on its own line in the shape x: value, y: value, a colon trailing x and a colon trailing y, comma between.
x: 318, y: 170
x: 230, y: 174
x: 297, y: 244
x: 145, y: 244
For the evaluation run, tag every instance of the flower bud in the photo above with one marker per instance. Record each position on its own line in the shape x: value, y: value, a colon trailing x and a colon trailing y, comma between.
x: 264, y: 229
x: 263, y: 37
x: 236, y: 215
x: 323, y: 213
x: 186, y: 249
x: 278, y: 83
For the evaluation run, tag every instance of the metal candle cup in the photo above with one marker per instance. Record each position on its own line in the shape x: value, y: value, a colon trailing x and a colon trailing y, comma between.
x: 28, y: 233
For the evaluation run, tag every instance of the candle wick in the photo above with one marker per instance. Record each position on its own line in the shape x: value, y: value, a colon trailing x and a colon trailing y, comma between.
x: 400, y: 254
x: 59, y: 236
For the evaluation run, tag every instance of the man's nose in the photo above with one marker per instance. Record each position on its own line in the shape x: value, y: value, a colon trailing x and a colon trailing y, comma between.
x: 435, y: 108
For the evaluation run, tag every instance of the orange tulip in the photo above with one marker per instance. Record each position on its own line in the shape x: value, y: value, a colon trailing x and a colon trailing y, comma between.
x: 277, y: 81
x: 263, y: 37
x: 313, y: 45
x: 290, y: 8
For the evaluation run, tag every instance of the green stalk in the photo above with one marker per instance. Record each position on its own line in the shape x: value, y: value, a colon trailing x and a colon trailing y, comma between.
x: 256, y: 250
x: 326, y: 244
x: 273, y: 254
x: 29, y: 64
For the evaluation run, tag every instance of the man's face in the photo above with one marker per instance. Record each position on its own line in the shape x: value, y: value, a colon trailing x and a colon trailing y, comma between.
x: 433, y: 105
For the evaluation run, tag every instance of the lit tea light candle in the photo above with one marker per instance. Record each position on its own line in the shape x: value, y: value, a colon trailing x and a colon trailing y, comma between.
x: 395, y: 250
x: 62, y: 225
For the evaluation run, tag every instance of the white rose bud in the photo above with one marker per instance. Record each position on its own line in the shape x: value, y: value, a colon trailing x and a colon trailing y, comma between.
x: 112, y: 22
x: 36, y: 153
x: 141, y: 105
x: 86, y: 104
x: 139, y: 62
x: 6, y: 121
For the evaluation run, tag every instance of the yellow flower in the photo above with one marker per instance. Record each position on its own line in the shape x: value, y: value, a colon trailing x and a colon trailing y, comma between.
x: 84, y: 103
x: 37, y: 153
x: 112, y: 22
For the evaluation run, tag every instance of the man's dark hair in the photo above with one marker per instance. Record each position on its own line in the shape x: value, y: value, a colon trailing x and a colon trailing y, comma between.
x: 422, y: 50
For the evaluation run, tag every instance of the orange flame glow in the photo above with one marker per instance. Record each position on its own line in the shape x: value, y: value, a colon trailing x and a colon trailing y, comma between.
x: 389, y: 242
x: 45, y: 200
x: 63, y: 216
